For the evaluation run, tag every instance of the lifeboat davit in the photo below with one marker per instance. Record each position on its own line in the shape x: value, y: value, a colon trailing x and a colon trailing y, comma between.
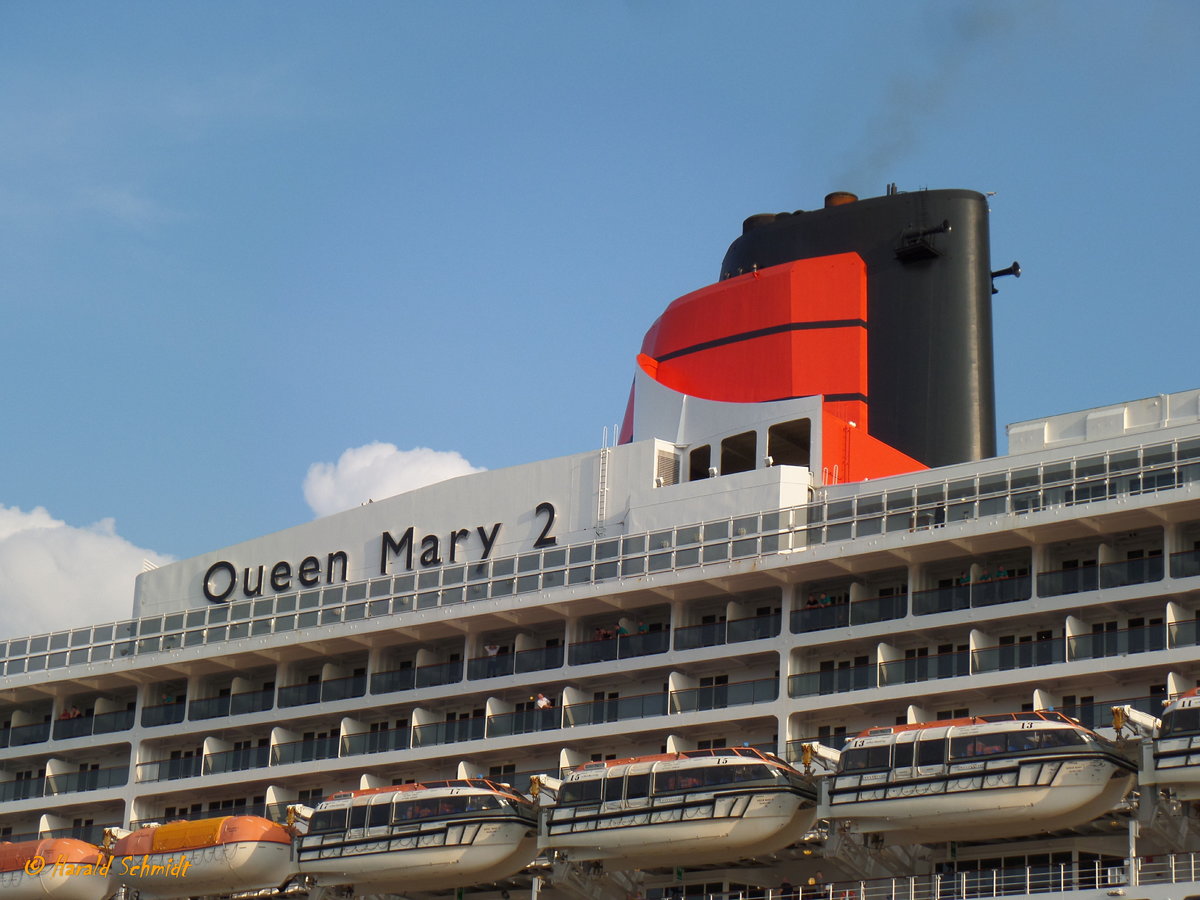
x: 978, y: 778
x: 207, y: 856
x: 61, y: 868
x: 701, y: 806
x: 416, y: 837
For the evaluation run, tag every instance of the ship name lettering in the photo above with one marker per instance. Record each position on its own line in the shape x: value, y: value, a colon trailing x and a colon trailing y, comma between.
x: 431, y: 546
x: 222, y: 576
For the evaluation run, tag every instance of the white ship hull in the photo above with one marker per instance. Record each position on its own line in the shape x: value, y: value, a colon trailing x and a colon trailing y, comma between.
x: 49, y: 885
x: 217, y: 869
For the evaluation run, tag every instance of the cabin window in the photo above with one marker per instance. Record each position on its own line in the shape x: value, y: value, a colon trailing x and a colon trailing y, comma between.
x: 580, y: 792
x: 788, y: 443
x: 637, y: 786
x: 327, y: 820
x: 931, y: 753
x: 737, y: 453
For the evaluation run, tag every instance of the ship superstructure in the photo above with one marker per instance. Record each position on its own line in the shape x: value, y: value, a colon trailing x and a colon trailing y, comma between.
x: 770, y: 560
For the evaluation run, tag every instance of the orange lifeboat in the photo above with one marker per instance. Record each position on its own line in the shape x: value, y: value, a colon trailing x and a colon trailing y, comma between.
x: 207, y: 856
x: 59, y: 868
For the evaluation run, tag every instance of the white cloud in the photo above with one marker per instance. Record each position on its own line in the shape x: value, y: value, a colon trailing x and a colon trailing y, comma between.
x: 375, y: 471
x: 55, y: 576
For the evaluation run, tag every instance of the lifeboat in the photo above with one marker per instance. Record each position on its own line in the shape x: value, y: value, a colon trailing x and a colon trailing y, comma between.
x: 1174, y: 762
x: 415, y: 837
x: 59, y: 868
x: 702, y: 806
x: 206, y: 856
x: 977, y: 778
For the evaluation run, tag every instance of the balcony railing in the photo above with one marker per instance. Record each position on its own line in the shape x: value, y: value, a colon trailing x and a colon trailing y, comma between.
x: 925, y: 668
x: 435, y: 733
x: 525, y: 721
x: 395, y: 680
x: 833, y: 681
x: 343, y: 688
x: 1185, y: 564
x: 439, y: 674
x: 20, y: 789
x: 625, y: 646
x: 490, y: 666
x: 708, y: 634
x: 299, y: 694
x: 539, y: 659
x: 208, y: 708
x: 238, y: 760
x: 23, y: 735
x: 70, y: 728
x: 753, y: 629
x: 1101, y: 644
x: 878, y: 609
x: 940, y: 600
x: 1026, y: 655
x: 164, y: 714
x: 1131, y: 571
x: 375, y: 741
x: 820, y: 618
x: 1068, y: 581
x: 617, y: 709
x: 305, y: 751
x: 251, y: 701
x: 169, y: 769
x: 722, y: 696
x: 91, y: 780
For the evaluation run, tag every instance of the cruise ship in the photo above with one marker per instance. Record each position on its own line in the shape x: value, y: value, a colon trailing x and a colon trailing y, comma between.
x: 796, y: 629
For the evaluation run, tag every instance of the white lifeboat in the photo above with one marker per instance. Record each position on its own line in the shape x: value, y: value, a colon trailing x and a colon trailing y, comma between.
x: 977, y: 778
x: 1175, y: 762
x: 415, y: 837
x: 700, y: 806
x: 206, y: 856
x: 57, y: 868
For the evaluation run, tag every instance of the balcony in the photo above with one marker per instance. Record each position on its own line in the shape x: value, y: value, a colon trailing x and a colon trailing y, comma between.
x: 753, y: 629
x: 169, y: 769
x: 1001, y: 590
x: 1185, y: 633
x: 238, y: 760
x: 540, y: 659
x: 395, y: 680
x: 925, y: 668
x: 820, y: 618
x: 1101, y: 644
x: 251, y: 701
x: 91, y: 780
x: 299, y: 694
x: 164, y: 714
x: 525, y: 721
x: 617, y: 709
x: 435, y: 733
x: 722, y: 696
x: 21, y: 789
x: 304, y: 751
x: 626, y: 646
x: 1131, y: 571
x: 1185, y: 564
x: 940, y: 600
x: 375, y: 741
x: 692, y: 637
x: 490, y: 666
x: 23, y: 735
x: 878, y: 609
x: 1068, y: 581
x: 833, y: 681
x: 1024, y: 655
x: 439, y: 674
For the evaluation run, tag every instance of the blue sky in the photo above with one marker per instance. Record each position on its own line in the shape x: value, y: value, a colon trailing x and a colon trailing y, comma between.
x: 241, y: 239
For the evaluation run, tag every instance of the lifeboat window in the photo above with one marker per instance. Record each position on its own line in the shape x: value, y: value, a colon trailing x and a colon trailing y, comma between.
x: 864, y: 758
x: 358, y: 817
x: 580, y: 792
x: 903, y: 757
x: 381, y: 814
x: 637, y: 786
x: 1181, y: 721
x: 931, y: 753
x: 1020, y: 741
x: 1062, y: 737
x: 976, y: 745
x: 614, y: 787
x: 327, y: 820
